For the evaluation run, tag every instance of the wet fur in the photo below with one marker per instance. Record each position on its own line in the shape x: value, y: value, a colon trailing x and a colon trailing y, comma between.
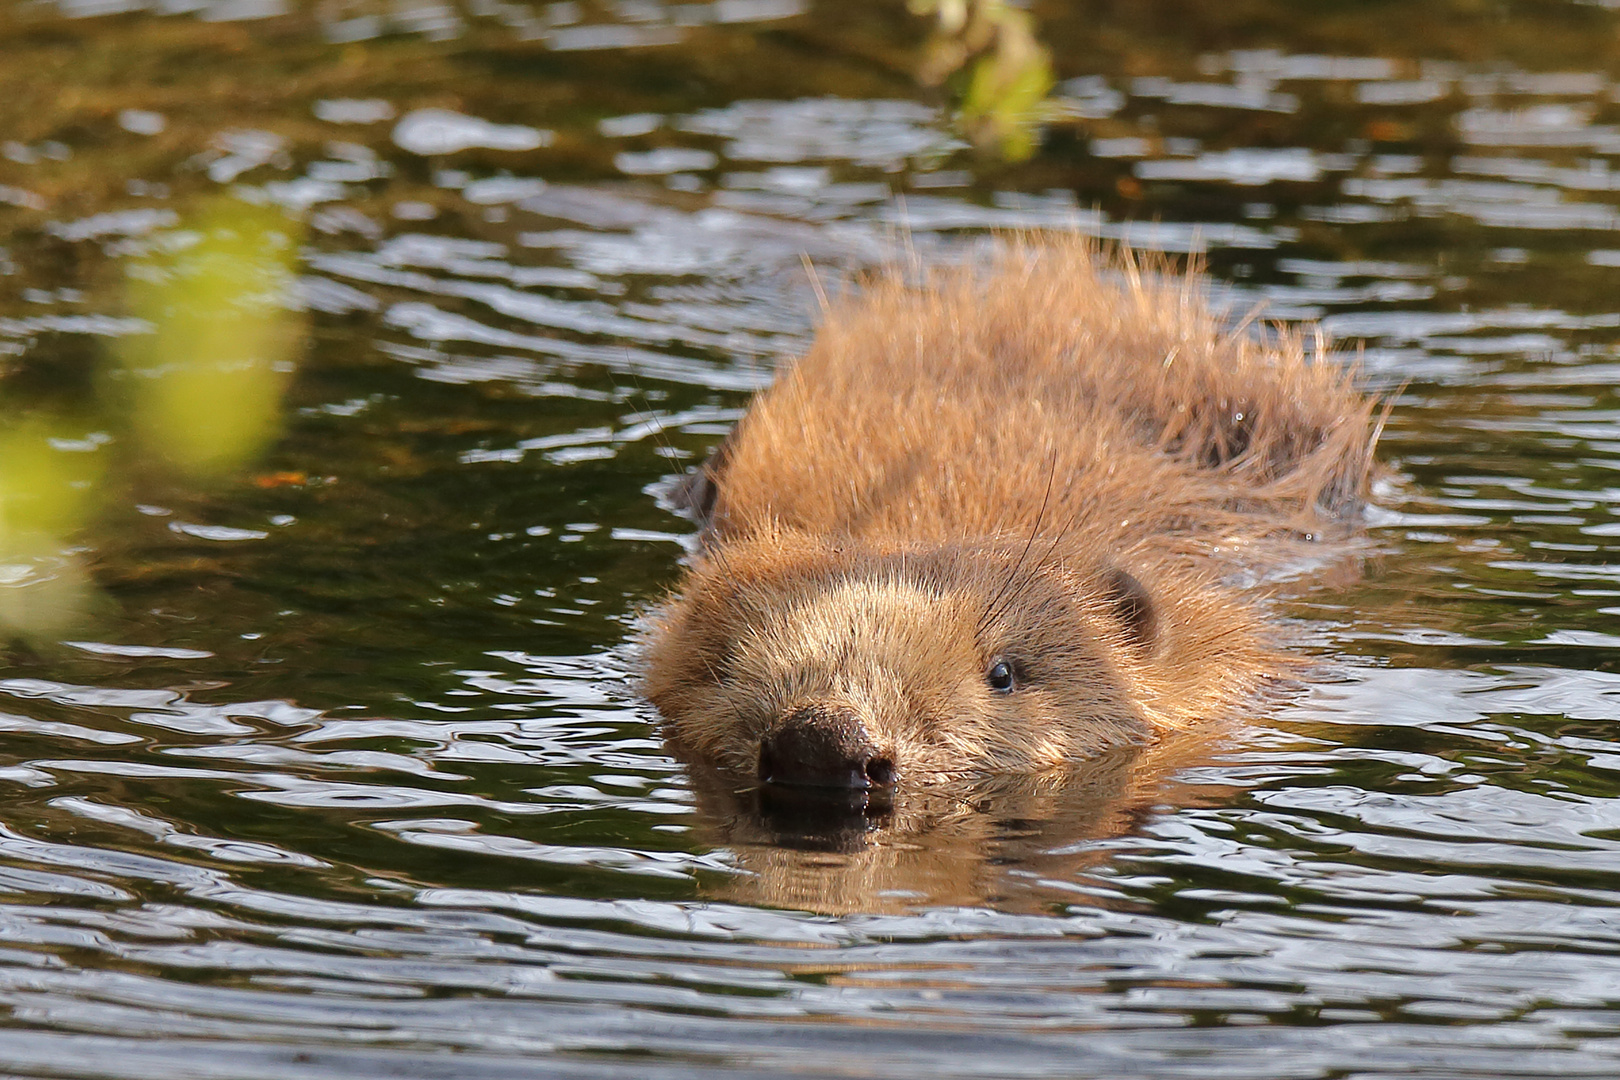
x: 1061, y: 461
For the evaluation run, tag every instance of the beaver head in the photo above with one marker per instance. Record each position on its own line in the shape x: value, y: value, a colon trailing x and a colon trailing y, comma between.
x: 794, y: 660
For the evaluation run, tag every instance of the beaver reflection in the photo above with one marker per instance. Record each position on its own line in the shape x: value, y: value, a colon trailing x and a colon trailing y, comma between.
x: 1015, y: 842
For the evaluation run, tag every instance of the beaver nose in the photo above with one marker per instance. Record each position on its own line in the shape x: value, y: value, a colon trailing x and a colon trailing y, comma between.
x: 819, y: 747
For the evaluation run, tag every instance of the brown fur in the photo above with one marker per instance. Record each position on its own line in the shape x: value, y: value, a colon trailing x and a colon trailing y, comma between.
x: 1058, y: 461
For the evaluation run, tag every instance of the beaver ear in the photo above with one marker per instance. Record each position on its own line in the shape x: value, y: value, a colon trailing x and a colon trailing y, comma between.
x: 1132, y: 605
x: 694, y: 495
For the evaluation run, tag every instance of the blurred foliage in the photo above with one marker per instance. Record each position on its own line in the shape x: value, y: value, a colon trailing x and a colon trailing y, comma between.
x: 200, y: 394
x: 991, y: 48
x: 47, y: 488
x: 204, y: 389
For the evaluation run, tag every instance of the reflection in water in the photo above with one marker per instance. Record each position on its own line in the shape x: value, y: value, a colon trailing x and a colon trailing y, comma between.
x: 1015, y: 842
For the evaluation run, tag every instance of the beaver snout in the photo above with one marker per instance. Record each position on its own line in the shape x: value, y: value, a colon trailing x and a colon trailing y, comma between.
x: 818, y: 746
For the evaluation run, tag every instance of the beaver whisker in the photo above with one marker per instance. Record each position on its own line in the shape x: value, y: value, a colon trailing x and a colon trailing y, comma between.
x: 1034, y: 531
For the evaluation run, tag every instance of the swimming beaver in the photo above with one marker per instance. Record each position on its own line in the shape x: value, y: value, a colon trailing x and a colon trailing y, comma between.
x: 991, y: 522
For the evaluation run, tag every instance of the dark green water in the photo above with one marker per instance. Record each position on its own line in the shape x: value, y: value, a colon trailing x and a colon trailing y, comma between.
x: 343, y: 772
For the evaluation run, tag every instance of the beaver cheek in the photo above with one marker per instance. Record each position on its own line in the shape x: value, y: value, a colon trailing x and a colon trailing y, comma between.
x: 823, y: 746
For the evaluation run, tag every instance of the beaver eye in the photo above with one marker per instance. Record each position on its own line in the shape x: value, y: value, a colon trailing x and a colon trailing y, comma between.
x: 1000, y: 677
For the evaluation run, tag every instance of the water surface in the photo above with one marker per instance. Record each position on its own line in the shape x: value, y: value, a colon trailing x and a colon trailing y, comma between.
x: 343, y: 772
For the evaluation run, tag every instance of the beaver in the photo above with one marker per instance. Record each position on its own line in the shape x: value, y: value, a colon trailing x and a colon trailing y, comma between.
x: 1000, y: 518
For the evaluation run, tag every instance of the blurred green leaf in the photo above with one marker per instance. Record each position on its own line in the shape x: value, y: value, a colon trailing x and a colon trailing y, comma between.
x: 206, y: 385
x: 1009, y: 72
x: 1004, y: 106
x: 46, y: 487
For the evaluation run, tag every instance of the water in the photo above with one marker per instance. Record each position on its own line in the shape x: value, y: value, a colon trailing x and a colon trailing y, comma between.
x: 343, y: 773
